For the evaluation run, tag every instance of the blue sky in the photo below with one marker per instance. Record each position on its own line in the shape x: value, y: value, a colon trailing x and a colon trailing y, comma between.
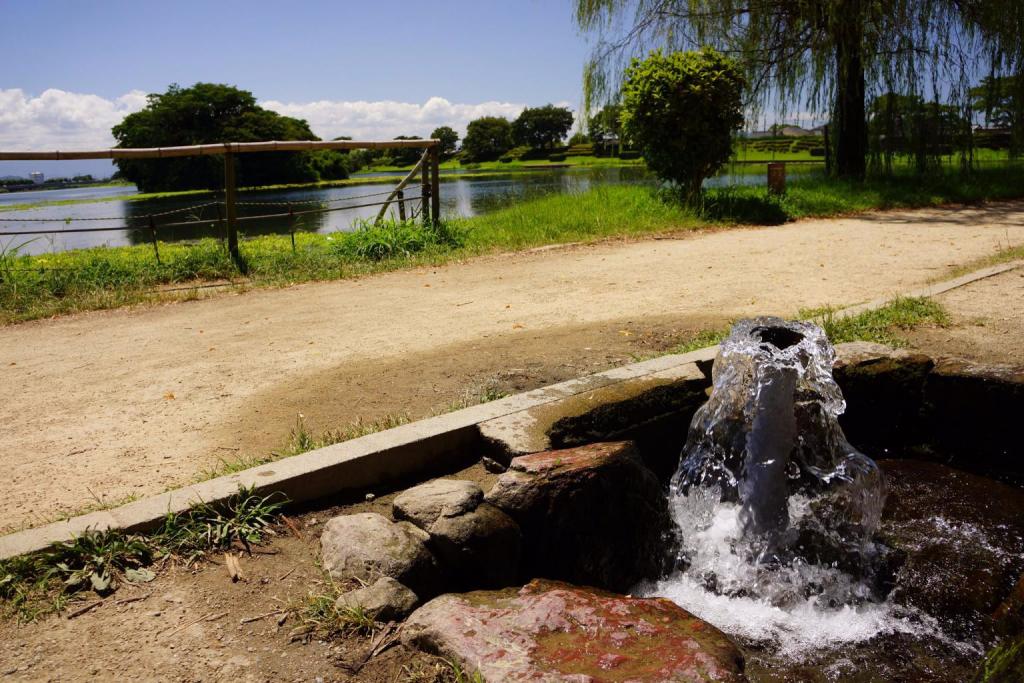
x: 373, y: 69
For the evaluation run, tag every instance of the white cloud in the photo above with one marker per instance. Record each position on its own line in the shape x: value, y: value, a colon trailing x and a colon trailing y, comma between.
x: 385, y: 120
x: 61, y: 120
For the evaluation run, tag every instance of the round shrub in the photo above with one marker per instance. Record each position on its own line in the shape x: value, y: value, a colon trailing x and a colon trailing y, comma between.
x: 681, y: 110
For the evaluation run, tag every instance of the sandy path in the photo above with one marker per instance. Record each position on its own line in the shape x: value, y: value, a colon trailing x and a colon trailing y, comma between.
x: 129, y: 402
x: 986, y: 322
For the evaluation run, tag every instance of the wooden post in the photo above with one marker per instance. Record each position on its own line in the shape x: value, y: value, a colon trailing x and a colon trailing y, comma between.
x: 229, y: 206
x: 425, y: 193
x: 776, y: 177
x: 435, y: 183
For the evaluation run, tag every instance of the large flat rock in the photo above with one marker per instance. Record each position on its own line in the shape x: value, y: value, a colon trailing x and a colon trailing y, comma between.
x: 549, y: 631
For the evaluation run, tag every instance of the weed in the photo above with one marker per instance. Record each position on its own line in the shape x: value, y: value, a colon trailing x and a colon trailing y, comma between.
x: 31, y: 585
x: 702, y: 339
x: 881, y: 324
x: 245, y: 517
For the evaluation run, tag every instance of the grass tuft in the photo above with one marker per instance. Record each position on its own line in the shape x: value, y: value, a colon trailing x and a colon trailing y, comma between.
x: 881, y: 325
x: 99, y: 561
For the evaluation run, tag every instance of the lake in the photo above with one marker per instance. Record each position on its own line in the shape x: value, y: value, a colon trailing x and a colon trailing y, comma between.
x: 459, y: 197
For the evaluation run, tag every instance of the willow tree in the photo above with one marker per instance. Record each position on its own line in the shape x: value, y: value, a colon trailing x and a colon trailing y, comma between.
x: 825, y: 57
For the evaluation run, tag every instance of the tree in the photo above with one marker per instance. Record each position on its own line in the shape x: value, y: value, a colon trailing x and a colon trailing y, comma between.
x: 449, y: 140
x: 487, y: 138
x: 681, y: 110
x: 405, y: 156
x: 818, y: 54
x: 209, y: 113
x: 541, y: 127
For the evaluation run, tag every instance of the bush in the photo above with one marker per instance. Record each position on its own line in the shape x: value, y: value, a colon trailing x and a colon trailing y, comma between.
x: 682, y: 110
x: 629, y: 154
x: 816, y: 151
x: 556, y: 157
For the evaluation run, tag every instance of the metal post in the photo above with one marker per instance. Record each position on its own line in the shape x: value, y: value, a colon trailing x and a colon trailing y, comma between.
x: 435, y: 183
x: 291, y: 224
x: 156, y: 247
x: 401, y: 206
x: 230, y: 208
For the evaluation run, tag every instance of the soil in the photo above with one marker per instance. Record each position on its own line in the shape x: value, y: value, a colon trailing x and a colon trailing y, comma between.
x: 109, y: 405
x: 188, y: 624
x: 986, y: 322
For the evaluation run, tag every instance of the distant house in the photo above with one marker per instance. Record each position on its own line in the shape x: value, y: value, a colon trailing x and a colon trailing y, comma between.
x: 37, y: 177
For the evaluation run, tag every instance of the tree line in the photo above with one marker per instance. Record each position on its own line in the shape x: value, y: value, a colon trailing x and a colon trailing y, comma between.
x: 211, y: 112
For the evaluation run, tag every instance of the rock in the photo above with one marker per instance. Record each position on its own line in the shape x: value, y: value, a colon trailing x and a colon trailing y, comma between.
x: 591, y: 515
x: 482, y: 547
x: 973, y: 415
x: 367, y: 546
x: 476, y: 541
x: 1009, y: 616
x: 963, y: 537
x: 492, y: 465
x: 383, y: 600
x: 424, y: 504
x: 883, y: 388
x: 649, y: 403
x: 549, y: 631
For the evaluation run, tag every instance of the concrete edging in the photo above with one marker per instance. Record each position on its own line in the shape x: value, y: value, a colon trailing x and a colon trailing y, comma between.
x: 393, y: 454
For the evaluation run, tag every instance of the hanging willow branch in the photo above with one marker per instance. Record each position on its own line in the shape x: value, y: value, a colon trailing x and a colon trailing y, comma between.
x: 811, y: 54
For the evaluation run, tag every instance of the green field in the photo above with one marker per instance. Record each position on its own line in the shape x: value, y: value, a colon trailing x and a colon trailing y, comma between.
x: 86, y: 279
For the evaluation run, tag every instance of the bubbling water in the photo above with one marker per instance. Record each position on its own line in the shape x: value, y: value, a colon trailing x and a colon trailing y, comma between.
x: 775, y: 510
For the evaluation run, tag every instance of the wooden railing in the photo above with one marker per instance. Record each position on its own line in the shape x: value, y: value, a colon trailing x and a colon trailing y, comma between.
x: 428, y: 165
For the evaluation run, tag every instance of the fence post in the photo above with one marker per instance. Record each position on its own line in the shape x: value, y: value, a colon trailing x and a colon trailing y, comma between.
x: 435, y: 183
x: 425, y: 192
x: 401, y: 205
x: 777, y: 177
x: 156, y: 247
x: 230, y: 208
x: 291, y: 224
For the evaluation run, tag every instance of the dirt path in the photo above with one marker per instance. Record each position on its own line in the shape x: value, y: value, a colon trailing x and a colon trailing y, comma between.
x: 986, y: 322
x: 127, y: 403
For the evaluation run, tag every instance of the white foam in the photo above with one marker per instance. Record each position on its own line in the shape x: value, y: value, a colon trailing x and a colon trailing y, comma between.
x: 796, y: 609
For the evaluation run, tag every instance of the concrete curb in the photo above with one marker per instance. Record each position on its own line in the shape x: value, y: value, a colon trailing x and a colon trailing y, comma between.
x: 401, y: 453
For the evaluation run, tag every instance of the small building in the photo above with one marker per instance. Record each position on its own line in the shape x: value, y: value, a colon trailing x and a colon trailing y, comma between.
x: 37, y: 177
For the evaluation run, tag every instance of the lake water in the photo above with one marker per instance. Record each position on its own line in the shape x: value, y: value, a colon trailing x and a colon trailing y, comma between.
x: 459, y: 197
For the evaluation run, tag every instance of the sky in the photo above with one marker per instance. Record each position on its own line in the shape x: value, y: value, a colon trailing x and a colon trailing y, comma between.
x: 370, y: 69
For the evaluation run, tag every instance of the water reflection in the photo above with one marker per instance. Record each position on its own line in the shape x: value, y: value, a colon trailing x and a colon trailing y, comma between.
x: 466, y: 197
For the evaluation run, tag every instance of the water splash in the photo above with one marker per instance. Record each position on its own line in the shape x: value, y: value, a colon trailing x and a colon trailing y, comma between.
x: 776, y: 510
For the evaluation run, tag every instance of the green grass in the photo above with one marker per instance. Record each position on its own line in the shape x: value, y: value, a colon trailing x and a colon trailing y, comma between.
x: 98, y: 278
x: 100, y: 561
x: 882, y: 325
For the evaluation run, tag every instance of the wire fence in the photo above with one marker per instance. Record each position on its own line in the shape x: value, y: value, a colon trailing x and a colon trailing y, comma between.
x: 155, y: 227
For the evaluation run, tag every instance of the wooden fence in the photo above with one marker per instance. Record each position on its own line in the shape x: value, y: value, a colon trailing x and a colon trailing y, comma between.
x: 428, y: 166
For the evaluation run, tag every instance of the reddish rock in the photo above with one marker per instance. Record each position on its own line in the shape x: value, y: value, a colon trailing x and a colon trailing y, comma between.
x: 549, y: 631
x: 593, y: 515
